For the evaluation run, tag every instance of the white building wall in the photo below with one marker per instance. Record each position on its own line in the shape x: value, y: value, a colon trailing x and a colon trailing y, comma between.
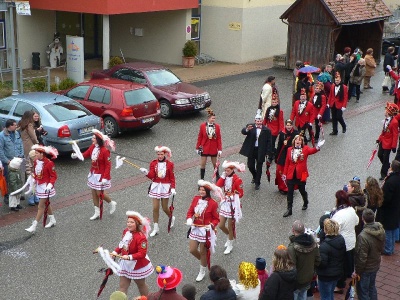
x: 35, y: 33
x: 164, y: 34
x: 262, y: 33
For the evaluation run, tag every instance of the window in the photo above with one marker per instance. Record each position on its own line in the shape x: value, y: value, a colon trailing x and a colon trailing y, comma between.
x: 21, y: 108
x: 2, y: 35
x: 79, y: 92
x: 67, y: 110
x: 139, y: 96
x: 100, y: 95
x: 6, y: 105
x: 130, y: 75
x: 162, y: 77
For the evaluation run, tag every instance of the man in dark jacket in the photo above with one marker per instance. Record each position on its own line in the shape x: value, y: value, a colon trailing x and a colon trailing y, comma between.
x: 256, y: 146
x: 388, y: 60
x: 388, y: 213
x: 369, y: 245
x: 304, y: 252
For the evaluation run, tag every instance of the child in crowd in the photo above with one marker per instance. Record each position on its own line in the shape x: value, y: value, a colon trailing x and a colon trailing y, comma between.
x: 15, y: 183
x: 262, y: 273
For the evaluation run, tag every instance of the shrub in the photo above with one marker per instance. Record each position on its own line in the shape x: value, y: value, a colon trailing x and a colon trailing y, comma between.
x: 66, y: 84
x: 115, y: 60
x: 39, y: 84
x: 54, y: 87
x: 190, y: 49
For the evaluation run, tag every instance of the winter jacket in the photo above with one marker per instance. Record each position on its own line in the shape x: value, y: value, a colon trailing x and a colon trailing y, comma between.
x: 279, y: 286
x: 332, y: 251
x: 389, y: 213
x: 347, y: 219
x: 245, y: 294
x: 370, y: 65
x: 29, y: 139
x: 369, y: 245
x: 10, y: 146
x: 212, y: 294
x: 388, y: 60
x: 14, y: 180
x: 304, y: 253
x: 359, y: 78
x: 358, y: 201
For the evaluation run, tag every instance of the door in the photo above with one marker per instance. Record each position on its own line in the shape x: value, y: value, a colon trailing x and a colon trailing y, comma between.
x: 99, y: 100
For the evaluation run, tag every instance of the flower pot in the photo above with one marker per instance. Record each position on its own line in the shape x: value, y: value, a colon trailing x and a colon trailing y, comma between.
x: 187, y: 62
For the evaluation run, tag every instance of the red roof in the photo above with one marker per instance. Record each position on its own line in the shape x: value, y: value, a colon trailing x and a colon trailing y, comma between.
x: 347, y: 12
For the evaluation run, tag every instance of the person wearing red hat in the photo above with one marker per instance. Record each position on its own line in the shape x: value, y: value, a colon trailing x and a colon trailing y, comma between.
x: 209, y: 142
x: 202, y: 217
x: 296, y: 172
x: 99, y: 178
x: 44, y: 178
x: 274, y: 121
x: 302, y: 113
x: 285, y: 140
x: 167, y: 280
x: 161, y: 172
x: 388, y: 138
x: 337, y: 101
x: 319, y: 106
x: 134, y: 263
x: 230, y: 208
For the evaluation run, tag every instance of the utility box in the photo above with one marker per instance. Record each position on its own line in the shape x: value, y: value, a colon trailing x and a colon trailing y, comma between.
x: 35, y: 60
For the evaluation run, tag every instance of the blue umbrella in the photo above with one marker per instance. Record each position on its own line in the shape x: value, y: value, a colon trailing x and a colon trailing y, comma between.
x: 309, y: 69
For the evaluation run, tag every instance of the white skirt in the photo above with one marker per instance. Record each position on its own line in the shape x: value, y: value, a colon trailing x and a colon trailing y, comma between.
x: 95, y: 183
x: 160, y: 190
x: 40, y: 191
x: 198, y: 234
x: 127, y: 269
x: 225, y: 209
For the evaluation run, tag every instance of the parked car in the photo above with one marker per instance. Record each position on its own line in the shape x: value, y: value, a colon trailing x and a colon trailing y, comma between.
x: 122, y: 105
x: 174, y: 95
x: 387, y: 42
x: 64, y: 119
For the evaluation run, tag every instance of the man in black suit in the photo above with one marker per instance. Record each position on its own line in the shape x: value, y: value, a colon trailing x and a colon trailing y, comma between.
x: 256, y: 146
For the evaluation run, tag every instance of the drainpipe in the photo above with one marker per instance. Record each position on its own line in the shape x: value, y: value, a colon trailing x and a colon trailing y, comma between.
x: 106, y: 41
x: 13, y: 58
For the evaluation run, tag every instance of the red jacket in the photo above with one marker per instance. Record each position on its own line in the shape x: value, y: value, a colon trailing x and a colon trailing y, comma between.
x: 237, y: 185
x: 319, y: 104
x: 102, y: 165
x: 305, y: 117
x: 397, y: 84
x: 169, y: 175
x: 137, y: 248
x: 209, y: 214
x: 389, y: 137
x: 48, y: 174
x: 276, y: 124
x: 211, y: 146
x: 334, y: 100
x: 300, y: 166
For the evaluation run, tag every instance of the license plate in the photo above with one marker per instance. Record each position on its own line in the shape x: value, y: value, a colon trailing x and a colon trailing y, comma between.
x: 85, y: 130
x: 148, y: 120
x: 198, y: 106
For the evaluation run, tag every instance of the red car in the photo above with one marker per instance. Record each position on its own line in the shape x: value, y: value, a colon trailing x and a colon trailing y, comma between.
x: 123, y: 105
x: 174, y: 95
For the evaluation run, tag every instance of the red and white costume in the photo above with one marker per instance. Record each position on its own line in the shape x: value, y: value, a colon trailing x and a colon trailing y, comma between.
x: 44, y: 173
x: 203, y: 212
x: 319, y: 104
x: 163, y: 177
x: 135, y: 245
x: 233, y: 189
x: 396, y: 86
x: 296, y: 161
x: 334, y: 98
x: 273, y: 122
x: 390, y: 132
x: 302, y: 114
x: 100, y: 168
x: 209, y: 139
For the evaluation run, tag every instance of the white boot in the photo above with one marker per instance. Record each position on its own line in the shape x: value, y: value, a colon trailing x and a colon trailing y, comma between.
x: 172, y: 221
x: 32, y: 229
x: 226, y: 243
x: 202, y: 273
x: 229, y: 247
x: 52, y: 222
x: 155, y: 230
x: 113, y: 206
x: 96, y: 213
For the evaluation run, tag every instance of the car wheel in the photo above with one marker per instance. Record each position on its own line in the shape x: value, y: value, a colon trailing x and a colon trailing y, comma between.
x: 166, y: 109
x: 110, y: 127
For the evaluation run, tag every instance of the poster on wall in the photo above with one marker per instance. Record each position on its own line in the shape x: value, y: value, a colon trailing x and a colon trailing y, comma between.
x: 75, y: 58
x: 23, y: 8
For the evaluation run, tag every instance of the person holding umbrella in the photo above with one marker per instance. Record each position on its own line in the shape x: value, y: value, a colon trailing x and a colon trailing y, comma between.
x: 230, y: 207
x: 44, y: 177
x: 202, y: 217
x: 161, y: 172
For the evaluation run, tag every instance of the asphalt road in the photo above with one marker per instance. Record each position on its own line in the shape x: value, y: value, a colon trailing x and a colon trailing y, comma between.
x: 58, y: 263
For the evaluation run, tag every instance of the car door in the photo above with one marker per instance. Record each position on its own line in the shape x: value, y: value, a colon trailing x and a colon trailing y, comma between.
x: 6, y: 105
x: 78, y: 93
x: 98, y: 101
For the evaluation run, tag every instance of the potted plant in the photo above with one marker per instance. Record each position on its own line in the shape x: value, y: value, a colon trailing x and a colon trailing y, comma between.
x: 189, y: 52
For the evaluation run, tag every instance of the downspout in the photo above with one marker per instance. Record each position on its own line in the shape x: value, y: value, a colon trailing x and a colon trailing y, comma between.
x: 287, y: 45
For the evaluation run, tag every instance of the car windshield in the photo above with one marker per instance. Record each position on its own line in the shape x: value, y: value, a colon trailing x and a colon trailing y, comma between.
x: 139, y: 96
x: 162, y: 77
x: 67, y: 110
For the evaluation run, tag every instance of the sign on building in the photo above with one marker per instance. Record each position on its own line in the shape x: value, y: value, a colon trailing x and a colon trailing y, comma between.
x: 75, y: 58
x: 23, y: 8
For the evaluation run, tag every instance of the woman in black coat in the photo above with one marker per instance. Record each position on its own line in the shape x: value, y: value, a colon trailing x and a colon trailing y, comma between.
x: 221, y: 288
x: 332, y: 251
x: 281, y: 284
